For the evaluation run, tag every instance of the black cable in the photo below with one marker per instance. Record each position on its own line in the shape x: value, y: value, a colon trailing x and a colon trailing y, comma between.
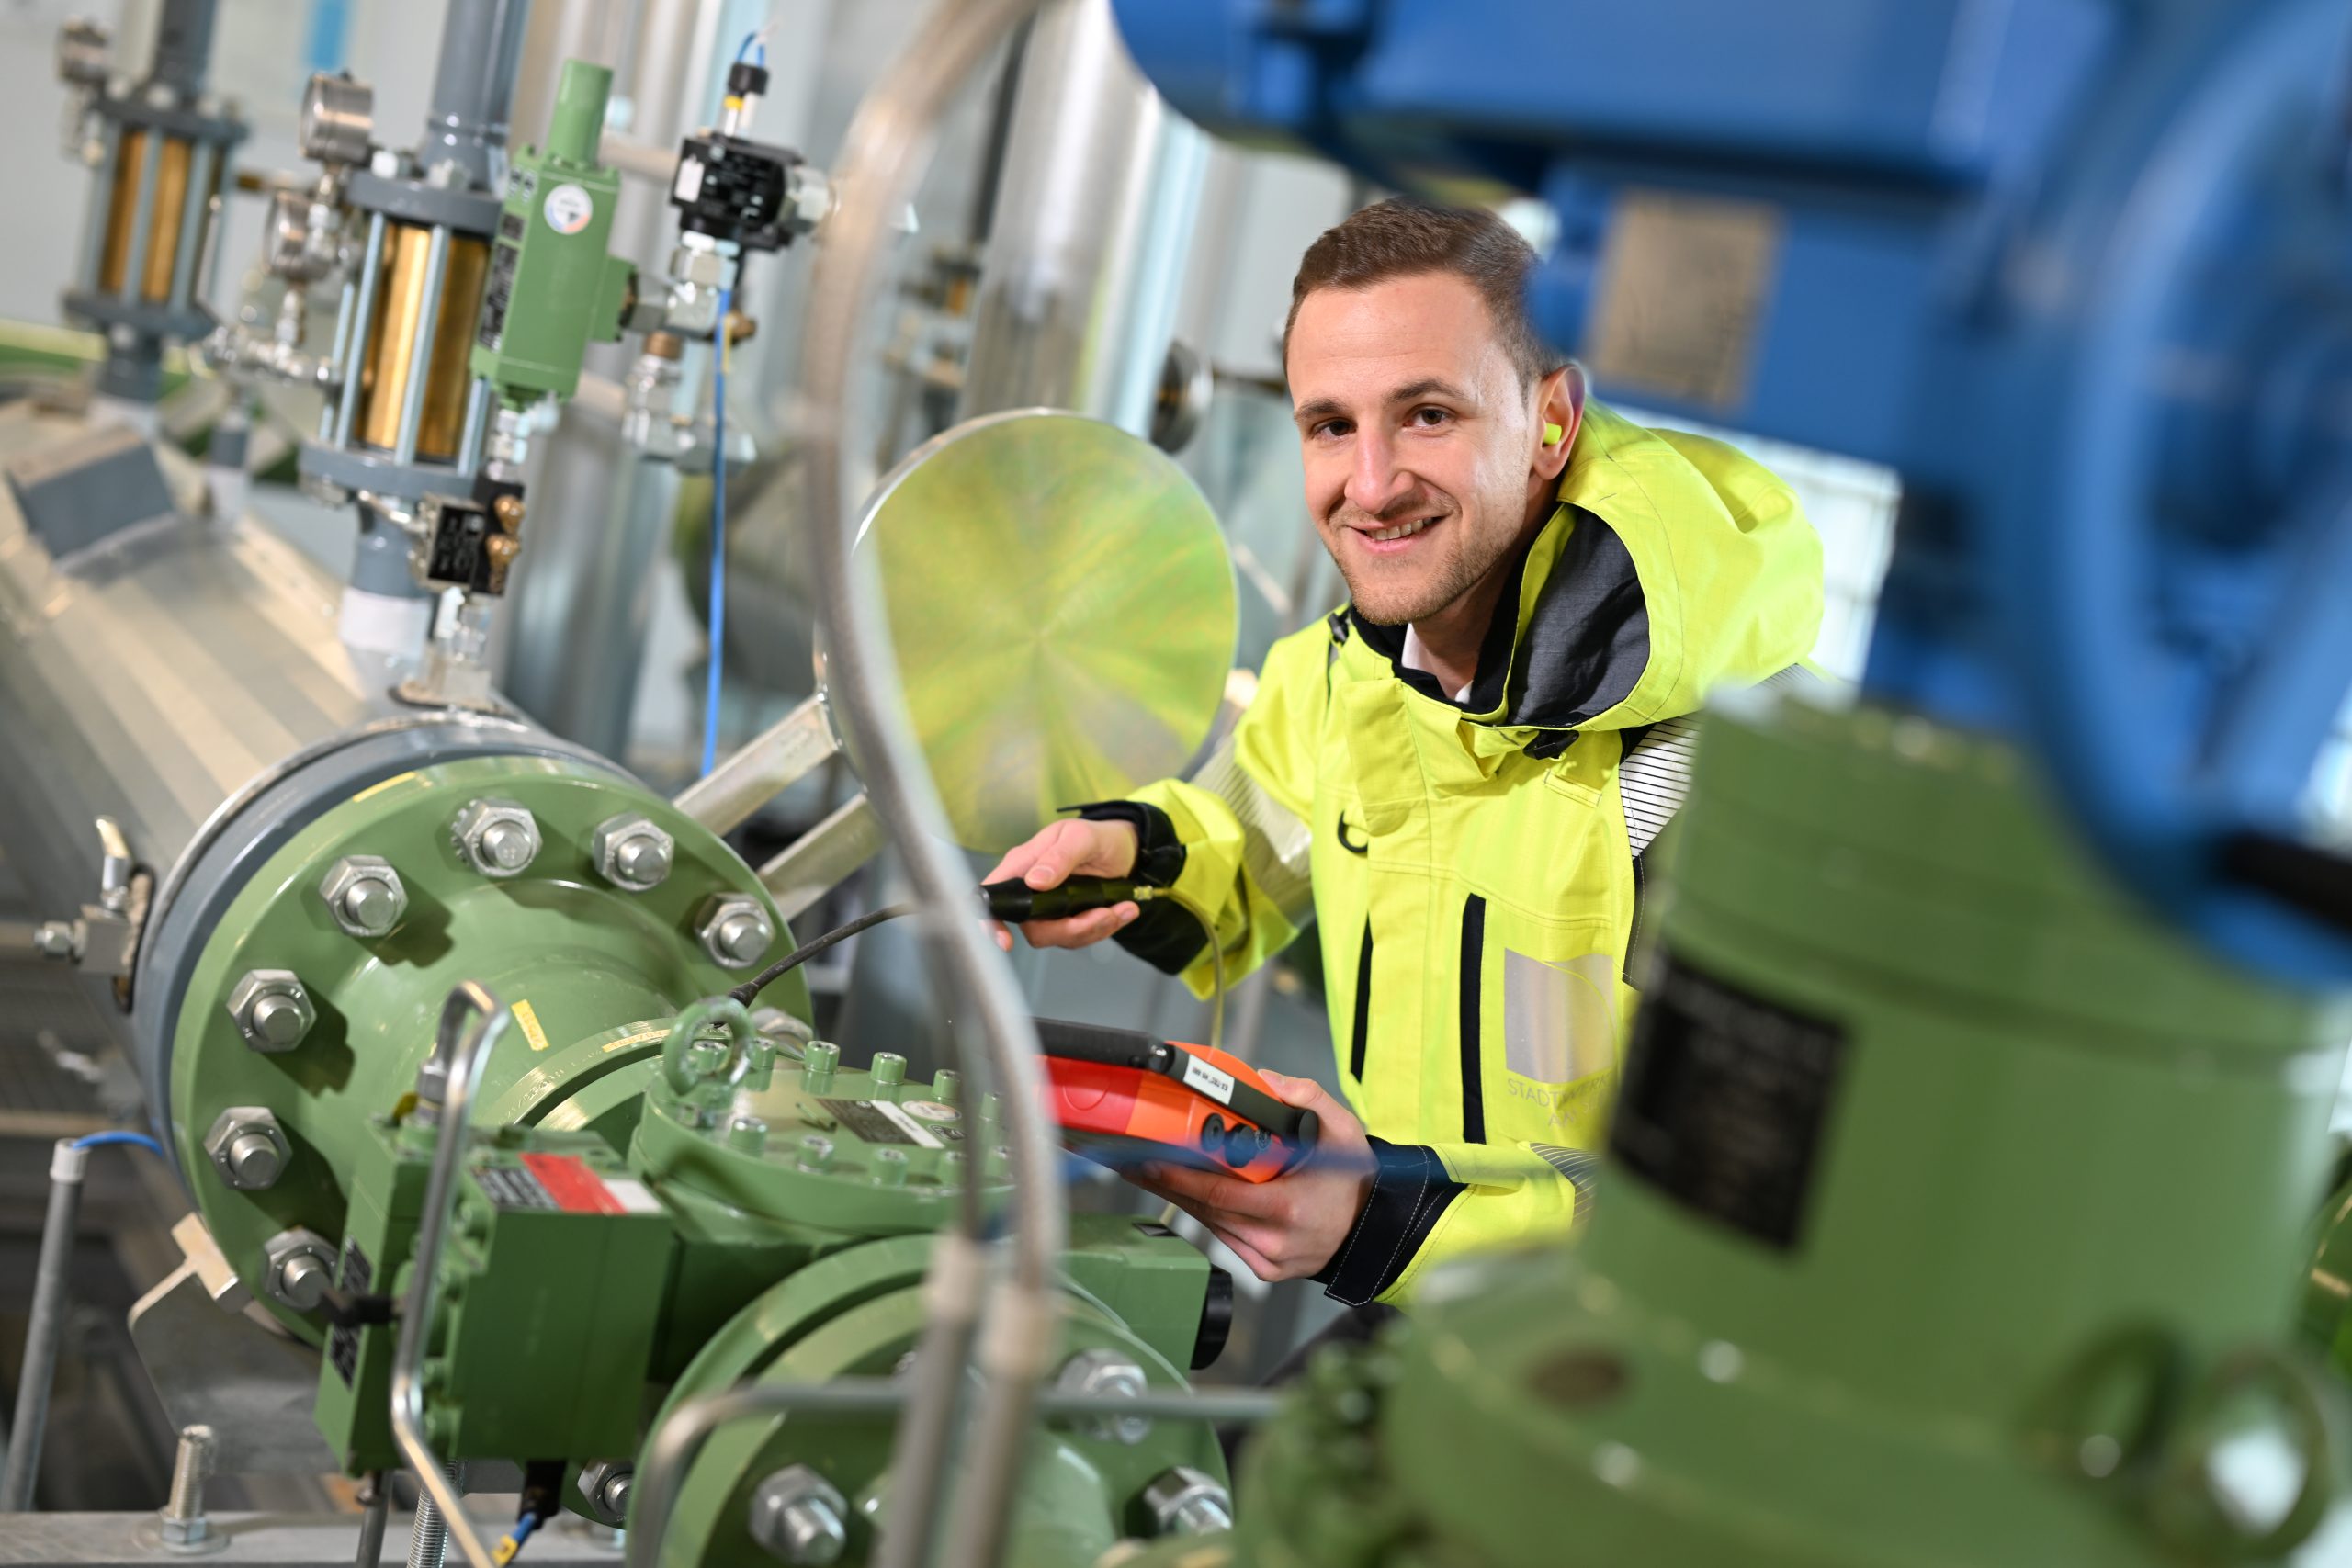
x: 750, y: 989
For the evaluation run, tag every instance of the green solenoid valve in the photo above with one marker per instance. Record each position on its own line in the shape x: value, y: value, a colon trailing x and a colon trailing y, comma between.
x: 554, y: 284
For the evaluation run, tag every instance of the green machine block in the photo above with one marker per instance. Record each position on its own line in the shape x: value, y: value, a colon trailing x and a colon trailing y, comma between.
x: 558, y: 1263
x: 554, y: 286
x: 1145, y: 1274
x: 1955, y: 1214
x: 387, y: 1178
x: 858, y: 1312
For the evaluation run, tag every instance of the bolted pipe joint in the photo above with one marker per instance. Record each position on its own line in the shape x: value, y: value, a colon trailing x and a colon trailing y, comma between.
x: 363, y: 895
x: 272, y: 1010
x: 1184, y: 1501
x: 247, y: 1148
x: 1110, y: 1374
x: 798, y: 1518
x: 497, y: 837
x: 604, y: 1486
x: 735, y: 930
x: 300, y: 1266
x: 631, y: 853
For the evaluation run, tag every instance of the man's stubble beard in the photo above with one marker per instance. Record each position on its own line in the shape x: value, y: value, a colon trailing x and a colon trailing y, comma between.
x: 1395, y: 604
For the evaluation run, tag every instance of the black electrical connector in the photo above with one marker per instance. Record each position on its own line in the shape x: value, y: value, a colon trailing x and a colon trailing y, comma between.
x: 734, y: 190
x: 542, y: 1496
x: 746, y: 79
x: 346, y: 1309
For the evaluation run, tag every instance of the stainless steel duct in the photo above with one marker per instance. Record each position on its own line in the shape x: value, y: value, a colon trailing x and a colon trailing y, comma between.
x: 1094, y: 220
x: 181, y: 676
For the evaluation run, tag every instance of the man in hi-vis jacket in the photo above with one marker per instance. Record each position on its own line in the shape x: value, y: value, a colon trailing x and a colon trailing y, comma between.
x: 1458, y: 773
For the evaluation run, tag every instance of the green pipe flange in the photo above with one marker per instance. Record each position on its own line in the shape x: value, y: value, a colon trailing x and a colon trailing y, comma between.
x: 594, y: 1084
x: 575, y: 956
x: 1079, y: 1492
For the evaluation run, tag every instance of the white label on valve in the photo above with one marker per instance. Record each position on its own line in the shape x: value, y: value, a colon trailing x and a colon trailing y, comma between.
x: 689, y: 185
x: 568, y: 208
x: 908, y: 1126
x: 632, y: 1196
x: 1217, y: 1086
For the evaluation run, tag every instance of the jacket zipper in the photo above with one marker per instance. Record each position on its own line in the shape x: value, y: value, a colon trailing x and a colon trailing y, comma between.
x: 1473, y: 954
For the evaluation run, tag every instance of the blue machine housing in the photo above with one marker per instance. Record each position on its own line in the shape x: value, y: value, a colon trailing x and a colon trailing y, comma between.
x: 2079, y: 270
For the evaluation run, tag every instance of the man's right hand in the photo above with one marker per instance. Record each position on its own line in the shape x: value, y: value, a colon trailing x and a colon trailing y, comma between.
x: 1071, y: 847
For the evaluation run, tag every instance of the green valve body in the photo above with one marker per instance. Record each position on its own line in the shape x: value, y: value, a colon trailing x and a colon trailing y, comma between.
x: 1955, y: 1212
x: 554, y: 286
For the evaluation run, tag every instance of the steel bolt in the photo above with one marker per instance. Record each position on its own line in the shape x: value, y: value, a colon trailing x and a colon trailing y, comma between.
x: 1112, y: 1374
x: 888, y: 1068
x: 363, y: 895
x: 815, y: 1152
x: 605, y: 1487
x: 748, y: 1134
x: 1184, y: 1501
x: 497, y: 837
x: 632, y: 853
x: 735, y: 930
x: 184, y: 1526
x: 272, y: 1011
x: 797, y: 1517
x: 889, y: 1168
x: 247, y: 1148
x: 817, y: 1060
x: 300, y: 1267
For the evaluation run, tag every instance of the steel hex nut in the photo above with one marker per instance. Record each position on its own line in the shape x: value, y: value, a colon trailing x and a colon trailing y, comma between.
x: 272, y: 1010
x: 735, y: 930
x: 363, y: 895
x: 605, y: 1487
x: 497, y: 837
x: 247, y: 1148
x: 300, y: 1266
x: 633, y: 853
x: 1184, y: 1501
x: 1108, y: 1374
x: 798, y: 1517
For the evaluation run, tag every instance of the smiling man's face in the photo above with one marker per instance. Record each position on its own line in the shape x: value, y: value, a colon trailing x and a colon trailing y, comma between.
x: 1423, y: 447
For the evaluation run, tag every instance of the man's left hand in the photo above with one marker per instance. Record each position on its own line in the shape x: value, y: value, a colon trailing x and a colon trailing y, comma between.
x: 1291, y: 1227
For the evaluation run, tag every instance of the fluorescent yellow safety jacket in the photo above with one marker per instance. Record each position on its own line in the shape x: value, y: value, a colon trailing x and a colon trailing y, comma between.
x: 1474, y: 867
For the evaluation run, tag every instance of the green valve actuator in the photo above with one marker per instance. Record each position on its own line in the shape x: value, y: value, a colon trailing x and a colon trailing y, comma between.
x: 554, y: 286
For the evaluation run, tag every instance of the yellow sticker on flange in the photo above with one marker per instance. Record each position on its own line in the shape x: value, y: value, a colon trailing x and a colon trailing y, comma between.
x: 530, y: 1022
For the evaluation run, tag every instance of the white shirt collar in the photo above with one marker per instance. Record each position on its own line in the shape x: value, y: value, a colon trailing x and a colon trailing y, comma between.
x: 1416, y: 657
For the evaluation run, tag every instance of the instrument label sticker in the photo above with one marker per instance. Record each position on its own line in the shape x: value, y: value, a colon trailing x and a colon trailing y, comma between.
x: 1724, y: 1103
x: 1200, y: 1076
x: 880, y: 1121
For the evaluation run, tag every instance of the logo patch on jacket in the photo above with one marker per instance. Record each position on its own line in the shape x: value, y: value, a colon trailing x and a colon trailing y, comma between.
x: 1349, y: 844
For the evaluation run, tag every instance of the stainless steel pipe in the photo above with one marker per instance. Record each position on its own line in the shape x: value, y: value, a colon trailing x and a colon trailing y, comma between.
x: 1084, y: 267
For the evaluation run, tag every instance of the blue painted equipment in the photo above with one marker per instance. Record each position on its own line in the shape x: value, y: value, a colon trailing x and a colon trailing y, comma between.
x: 2080, y: 270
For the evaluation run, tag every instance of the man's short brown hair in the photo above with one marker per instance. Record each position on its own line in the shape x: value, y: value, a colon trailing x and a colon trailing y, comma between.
x: 1405, y: 239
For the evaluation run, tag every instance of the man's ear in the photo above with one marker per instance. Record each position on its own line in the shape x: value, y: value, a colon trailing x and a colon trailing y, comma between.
x: 1559, y: 410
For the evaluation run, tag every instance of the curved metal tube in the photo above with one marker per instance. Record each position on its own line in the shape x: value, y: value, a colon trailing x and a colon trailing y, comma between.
x: 461, y: 1050
x: 889, y: 144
